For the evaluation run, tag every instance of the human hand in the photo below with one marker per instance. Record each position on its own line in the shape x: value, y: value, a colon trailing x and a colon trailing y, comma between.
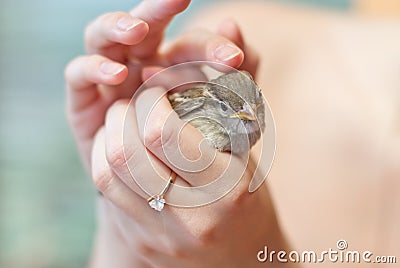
x: 122, y: 47
x: 130, y: 155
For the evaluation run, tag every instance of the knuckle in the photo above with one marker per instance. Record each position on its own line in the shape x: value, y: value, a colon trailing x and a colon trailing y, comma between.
x: 67, y: 70
x: 77, y: 66
x: 87, y: 33
x: 103, y: 179
x: 174, y: 251
x: 238, y: 199
x: 116, y: 156
x: 71, y: 117
x: 92, y: 29
x: 179, y: 252
x: 119, y: 103
x: 70, y: 67
x: 153, y: 136
x: 206, y: 236
x: 104, y: 19
x: 111, y: 16
x: 156, y: 136
x: 82, y: 71
x: 145, y: 250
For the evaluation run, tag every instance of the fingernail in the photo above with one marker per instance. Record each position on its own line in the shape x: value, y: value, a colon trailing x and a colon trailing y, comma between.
x: 226, y: 52
x: 111, y: 68
x: 128, y: 23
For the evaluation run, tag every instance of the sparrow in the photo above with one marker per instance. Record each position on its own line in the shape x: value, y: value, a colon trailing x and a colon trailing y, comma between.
x: 229, y: 111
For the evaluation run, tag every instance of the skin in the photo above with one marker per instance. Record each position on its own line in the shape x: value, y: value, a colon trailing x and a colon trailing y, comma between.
x: 99, y: 85
x: 332, y: 81
x: 320, y: 157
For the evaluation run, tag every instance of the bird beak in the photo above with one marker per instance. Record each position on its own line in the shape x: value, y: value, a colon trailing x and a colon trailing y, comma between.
x: 247, y: 113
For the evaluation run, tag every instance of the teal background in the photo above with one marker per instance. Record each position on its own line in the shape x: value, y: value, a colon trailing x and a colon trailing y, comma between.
x: 46, y: 200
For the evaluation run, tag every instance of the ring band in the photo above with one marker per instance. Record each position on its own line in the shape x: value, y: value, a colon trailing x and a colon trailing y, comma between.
x: 157, y: 202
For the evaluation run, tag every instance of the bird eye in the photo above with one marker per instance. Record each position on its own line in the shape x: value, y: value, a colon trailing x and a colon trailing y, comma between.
x: 224, y: 107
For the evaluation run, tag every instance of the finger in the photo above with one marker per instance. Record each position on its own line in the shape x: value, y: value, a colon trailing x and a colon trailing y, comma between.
x: 149, y: 71
x: 112, y: 29
x: 84, y: 73
x: 251, y: 61
x: 157, y: 14
x: 108, y: 183
x: 231, y: 31
x: 177, y: 144
x: 134, y: 164
x: 175, y: 78
x: 126, y: 155
x: 203, y: 45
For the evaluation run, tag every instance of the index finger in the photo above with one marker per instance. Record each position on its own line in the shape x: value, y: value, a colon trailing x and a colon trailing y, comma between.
x: 182, y: 147
x: 157, y: 14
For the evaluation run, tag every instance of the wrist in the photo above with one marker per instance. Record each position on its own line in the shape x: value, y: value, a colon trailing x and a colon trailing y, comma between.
x: 109, y: 248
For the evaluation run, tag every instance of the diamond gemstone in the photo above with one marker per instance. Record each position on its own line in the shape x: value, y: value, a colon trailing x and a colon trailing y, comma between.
x: 157, y: 203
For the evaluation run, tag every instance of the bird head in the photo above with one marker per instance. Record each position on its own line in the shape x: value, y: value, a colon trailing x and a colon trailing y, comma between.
x: 238, y: 93
x: 241, y: 105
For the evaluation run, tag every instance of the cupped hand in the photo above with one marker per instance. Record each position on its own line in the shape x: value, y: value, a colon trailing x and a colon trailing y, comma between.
x: 129, y: 163
x: 120, y: 48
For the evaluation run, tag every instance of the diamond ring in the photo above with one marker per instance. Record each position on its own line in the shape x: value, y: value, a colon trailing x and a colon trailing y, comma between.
x: 157, y: 202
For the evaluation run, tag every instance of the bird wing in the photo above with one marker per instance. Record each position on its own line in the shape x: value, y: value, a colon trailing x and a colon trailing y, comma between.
x: 188, y: 100
x: 188, y: 105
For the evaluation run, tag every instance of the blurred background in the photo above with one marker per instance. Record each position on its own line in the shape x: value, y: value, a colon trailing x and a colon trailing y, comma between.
x: 46, y: 199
